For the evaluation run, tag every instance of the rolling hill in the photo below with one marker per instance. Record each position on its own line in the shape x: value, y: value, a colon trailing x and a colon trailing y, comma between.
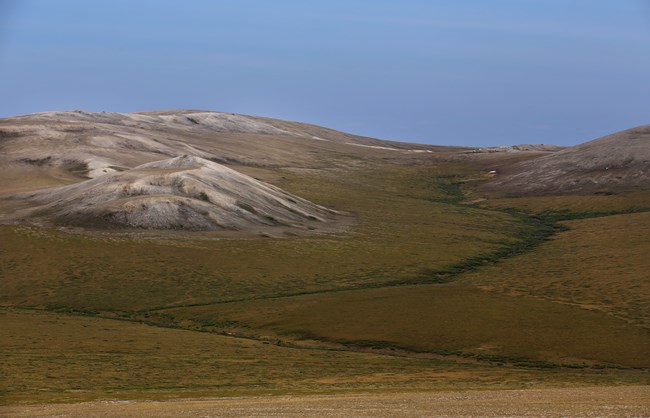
x: 169, y: 254
x: 99, y: 143
x: 614, y: 163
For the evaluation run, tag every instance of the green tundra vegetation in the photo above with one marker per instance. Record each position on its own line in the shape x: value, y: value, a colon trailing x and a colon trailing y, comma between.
x: 429, y: 287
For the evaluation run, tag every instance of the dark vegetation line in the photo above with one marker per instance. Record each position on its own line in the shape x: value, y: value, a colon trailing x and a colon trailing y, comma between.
x: 370, y: 346
x: 544, y: 226
x: 390, y: 348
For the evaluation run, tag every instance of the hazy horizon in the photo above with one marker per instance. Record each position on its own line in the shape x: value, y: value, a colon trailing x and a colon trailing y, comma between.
x: 450, y: 73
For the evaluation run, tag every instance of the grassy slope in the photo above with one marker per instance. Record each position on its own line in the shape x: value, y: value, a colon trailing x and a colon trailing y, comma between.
x: 445, y: 319
x: 408, y: 227
x: 598, y: 264
x: 398, y: 237
x: 597, y: 270
x: 54, y: 357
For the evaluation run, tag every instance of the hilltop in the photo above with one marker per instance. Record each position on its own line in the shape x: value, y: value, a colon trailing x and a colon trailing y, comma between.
x: 97, y: 143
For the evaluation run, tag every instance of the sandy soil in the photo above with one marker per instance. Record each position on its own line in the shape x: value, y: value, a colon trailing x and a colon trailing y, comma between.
x: 632, y: 401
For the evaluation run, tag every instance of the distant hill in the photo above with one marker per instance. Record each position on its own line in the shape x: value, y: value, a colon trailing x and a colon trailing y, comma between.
x: 616, y: 162
x: 519, y: 148
x: 106, y: 140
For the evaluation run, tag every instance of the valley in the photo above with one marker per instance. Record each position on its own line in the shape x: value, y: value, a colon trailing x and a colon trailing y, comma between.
x: 310, y: 261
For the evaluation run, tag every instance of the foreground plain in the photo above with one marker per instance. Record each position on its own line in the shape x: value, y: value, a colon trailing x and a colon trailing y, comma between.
x: 630, y: 401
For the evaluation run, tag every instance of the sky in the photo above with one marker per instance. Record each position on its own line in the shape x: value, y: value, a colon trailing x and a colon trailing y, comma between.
x: 456, y: 72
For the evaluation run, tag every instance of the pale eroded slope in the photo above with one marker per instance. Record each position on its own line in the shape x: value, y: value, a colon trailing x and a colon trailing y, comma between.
x: 188, y: 193
x: 620, y: 161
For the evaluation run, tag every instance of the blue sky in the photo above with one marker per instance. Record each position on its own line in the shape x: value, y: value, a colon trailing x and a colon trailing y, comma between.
x: 482, y: 72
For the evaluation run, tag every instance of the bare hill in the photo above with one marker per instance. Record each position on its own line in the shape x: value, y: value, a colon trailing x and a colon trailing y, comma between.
x: 134, y: 169
x: 188, y: 193
x: 105, y: 142
x: 616, y: 162
x: 165, y: 169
